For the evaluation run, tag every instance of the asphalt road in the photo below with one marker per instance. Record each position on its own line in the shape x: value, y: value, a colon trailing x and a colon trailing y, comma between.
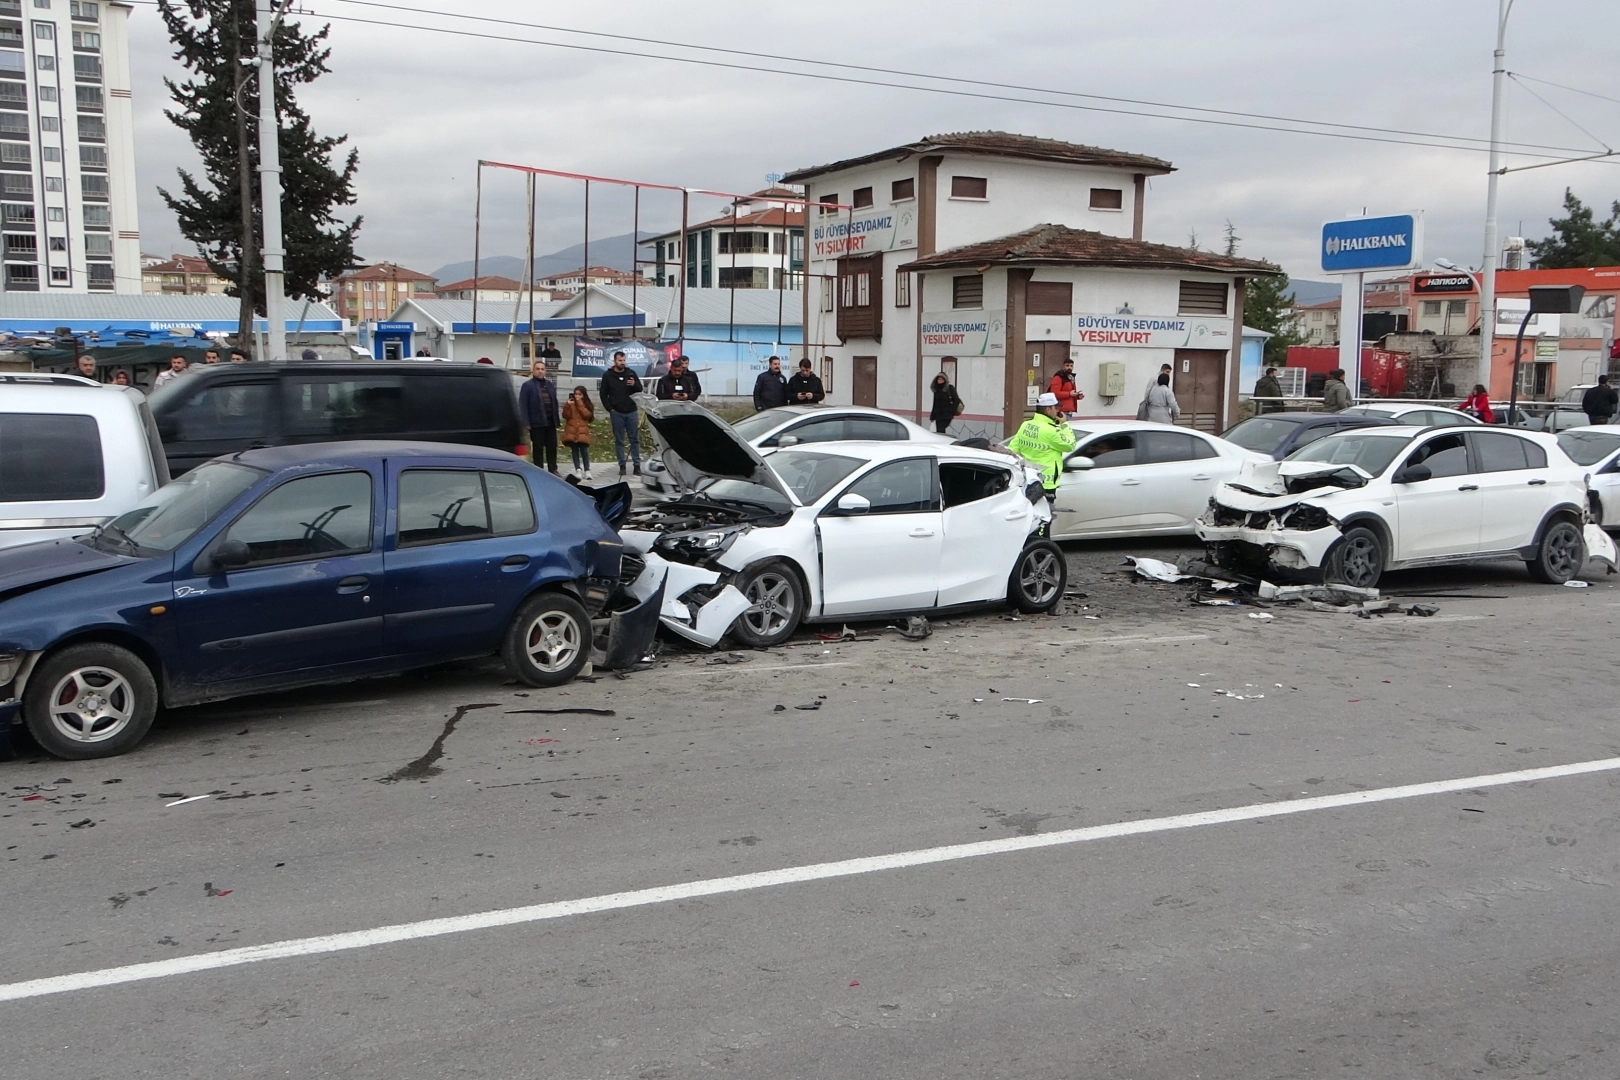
x: 1458, y: 932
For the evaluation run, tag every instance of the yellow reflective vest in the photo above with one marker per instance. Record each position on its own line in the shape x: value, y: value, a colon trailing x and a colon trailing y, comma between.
x: 1044, y: 442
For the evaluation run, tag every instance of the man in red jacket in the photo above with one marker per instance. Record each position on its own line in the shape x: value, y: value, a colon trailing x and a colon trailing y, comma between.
x: 1062, y: 385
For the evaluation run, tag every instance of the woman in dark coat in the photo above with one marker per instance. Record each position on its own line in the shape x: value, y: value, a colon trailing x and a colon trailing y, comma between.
x: 947, y: 403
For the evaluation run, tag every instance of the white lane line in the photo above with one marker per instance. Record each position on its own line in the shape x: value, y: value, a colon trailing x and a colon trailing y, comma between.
x: 1131, y: 639
x: 792, y: 875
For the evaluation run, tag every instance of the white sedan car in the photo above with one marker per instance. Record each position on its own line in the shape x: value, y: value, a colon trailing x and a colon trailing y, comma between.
x: 1597, y: 449
x: 1412, y: 414
x: 1352, y: 505
x: 791, y: 425
x: 1132, y: 477
x: 828, y: 532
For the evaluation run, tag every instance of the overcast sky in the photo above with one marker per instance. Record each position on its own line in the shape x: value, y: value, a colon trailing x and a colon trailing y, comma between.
x: 422, y: 107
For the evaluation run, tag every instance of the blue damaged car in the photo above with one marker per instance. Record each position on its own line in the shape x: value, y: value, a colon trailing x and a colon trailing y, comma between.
x: 290, y: 566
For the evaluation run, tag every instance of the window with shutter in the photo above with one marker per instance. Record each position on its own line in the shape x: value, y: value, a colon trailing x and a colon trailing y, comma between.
x: 862, y: 197
x: 860, y: 311
x: 903, y: 189
x: 902, y: 289
x: 969, y: 187
x: 1103, y: 198
x: 1049, y: 298
x: 863, y: 290
x: 967, y: 291
x: 1203, y: 298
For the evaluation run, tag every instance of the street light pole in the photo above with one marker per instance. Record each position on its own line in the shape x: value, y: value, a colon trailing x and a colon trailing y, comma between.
x: 271, y: 251
x: 1518, y: 346
x: 1487, y: 284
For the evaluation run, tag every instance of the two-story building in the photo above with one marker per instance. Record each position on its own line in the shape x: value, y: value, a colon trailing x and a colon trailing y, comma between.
x: 994, y: 257
x: 758, y: 243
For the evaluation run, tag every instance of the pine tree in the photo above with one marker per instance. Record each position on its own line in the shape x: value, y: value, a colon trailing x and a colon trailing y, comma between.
x: 1579, y: 239
x: 217, y: 105
x: 1266, y: 304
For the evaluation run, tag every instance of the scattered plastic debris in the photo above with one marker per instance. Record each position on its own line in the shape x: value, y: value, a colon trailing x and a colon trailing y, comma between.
x: 779, y: 708
x: 729, y: 658
x: 182, y: 802
x: 208, y: 889
x: 916, y: 628
x: 1196, y: 685
x: 846, y: 634
x: 1422, y: 611
x: 1577, y: 583
x: 1261, y: 615
x: 87, y: 823
x: 809, y: 706
x: 1156, y: 569
x: 1024, y: 700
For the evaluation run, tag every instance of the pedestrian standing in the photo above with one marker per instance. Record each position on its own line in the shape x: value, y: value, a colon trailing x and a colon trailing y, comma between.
x: 770, y: 389
x: 1268, y: 392
x: 86, y: 366
x: 1335, y: 395
x: 1600, y: 401
x: 1045, y: 440
x: 120, y: 377
x: 238, y: 356
x: 211, y: 356
x: 1479, y: 403
x: 947, y: 403
x: 577, y: 416
x: 680, y: 384
x: 1142, y: 408
x: 177, y: 368
x: 805, y: 388
x: 617, y: 390
x: 1161, y: 402
x: 538, y: 403
x: 1063, y: 388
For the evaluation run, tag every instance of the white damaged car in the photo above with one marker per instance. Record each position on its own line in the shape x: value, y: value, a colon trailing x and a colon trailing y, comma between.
x: 834, y: 531
x: 1352, y: 505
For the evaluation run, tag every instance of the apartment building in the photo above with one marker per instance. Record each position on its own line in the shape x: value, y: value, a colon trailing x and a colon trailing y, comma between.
x: 182, y: 275
x: 67, y: 148
x: 374, y: 292
x: 574, y: 281
x: 757, y: 243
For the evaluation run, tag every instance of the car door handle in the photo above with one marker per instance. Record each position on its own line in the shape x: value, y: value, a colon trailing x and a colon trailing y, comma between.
x: 1130, y: 483
x: 1469, y: 487
x: 922, y: 533
x: 1014, y: 515
x: 354, y: 584
x: 1537, y: 483
x: 1200, y: 476
x: 514, y: 562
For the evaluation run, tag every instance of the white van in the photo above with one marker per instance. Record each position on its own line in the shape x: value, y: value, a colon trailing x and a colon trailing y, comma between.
x: 73, y: 453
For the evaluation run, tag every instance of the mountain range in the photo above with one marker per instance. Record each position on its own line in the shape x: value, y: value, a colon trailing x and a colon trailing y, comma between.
x: 617, y: 252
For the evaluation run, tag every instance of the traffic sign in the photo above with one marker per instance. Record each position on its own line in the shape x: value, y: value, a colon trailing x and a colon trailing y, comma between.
x: 1391, y: 242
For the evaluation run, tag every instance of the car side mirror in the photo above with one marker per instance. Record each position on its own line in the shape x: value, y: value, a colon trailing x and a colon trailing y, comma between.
x: 1413, y: 474
x: 1079, y: 463
x: 788, y: 440
x: 851, y: 503
x: 226, y: 555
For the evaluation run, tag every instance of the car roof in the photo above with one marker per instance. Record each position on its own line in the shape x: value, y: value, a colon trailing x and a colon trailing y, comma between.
x: 794, y: 411
x: 365, y: 451
x: 1315, y: 418
x: 893, y: 450
x: 334, y: 367
x: 56, y: 397
x: 1127, y: 424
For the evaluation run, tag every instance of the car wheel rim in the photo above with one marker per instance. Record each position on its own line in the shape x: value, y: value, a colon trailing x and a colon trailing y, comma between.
x: 1039, y: 575
x: 770, y: 600
x: 1564, y: 552
x: 553, y: 641
x: 92, y: 704
x: 1360, y: 562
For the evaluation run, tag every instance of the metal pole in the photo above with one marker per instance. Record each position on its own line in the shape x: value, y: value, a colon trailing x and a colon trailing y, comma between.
x: 1513, y: 395
x: 1350, y: 304
x: 532, y: 354
x: 273, y: 254
x: 1487, y: 283
x: 635, y: 260
x: 686, y: 255
x: 478, y: 232
x: 585, y: 274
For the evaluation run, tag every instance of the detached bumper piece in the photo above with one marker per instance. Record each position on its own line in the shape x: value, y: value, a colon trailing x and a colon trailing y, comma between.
x: 623, y: 634
x: 691, y: 600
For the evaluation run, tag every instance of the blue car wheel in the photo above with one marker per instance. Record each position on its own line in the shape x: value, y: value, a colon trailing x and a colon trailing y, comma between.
x: 90, y: 701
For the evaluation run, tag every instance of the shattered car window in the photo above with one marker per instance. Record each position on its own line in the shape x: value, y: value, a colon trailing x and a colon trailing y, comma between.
x: 1262, y: 434
x: 1371, y: 452
x: 1589, y: 447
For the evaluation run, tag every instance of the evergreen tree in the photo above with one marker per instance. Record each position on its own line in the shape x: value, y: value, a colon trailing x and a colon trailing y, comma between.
x: 1266, y: 304
x: 1579, y: 239
x: 217, y: 105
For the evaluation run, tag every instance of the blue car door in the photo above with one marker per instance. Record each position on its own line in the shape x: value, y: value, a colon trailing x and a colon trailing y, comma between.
x: 459, y: 557
x: 303, y: 608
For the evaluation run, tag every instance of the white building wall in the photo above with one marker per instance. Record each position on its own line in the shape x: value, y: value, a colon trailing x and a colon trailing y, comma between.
x: 1020, y: 194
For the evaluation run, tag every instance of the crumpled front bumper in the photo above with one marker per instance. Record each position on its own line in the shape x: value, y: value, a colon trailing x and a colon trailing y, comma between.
x: 689, y: 603
x: 1290, y: 550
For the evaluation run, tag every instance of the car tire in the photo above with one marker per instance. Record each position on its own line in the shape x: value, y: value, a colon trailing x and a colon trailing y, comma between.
x: 1038, y: 578
x: 776, y: 604
x: 88, y: 701
x: 1357, y: 559
x: 1560, y: 554
x: 549, y: 640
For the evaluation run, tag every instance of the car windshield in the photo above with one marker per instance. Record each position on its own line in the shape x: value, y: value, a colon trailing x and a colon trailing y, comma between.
x: 172, y: 515
x: 806, y: 473
x: 1589, y: 447
x: 752, y: 427
x: 1260, y: 433
x: 1370, y: 451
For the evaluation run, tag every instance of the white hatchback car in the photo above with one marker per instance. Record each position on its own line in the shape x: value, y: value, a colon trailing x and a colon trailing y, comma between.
x: 790, y: 425
x: 1352, y: 505
x: 832, y: 531
x: 1131, y: 478
x: 1412, y: 414
x: 73, y: 454
x: 1597, y: 449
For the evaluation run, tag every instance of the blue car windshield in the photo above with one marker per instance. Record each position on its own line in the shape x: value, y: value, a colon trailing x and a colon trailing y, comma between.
x: 172, y: 515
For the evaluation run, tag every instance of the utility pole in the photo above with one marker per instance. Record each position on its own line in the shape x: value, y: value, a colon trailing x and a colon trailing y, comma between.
x: 271, y: 251
x: 1487, y: 283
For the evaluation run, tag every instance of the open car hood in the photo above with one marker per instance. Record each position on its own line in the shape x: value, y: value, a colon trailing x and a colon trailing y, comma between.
x: 695, y: 443
x: 1274, y: 485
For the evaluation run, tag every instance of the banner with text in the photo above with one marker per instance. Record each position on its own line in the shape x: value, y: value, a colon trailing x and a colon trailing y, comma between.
x: 648, y: 359
x: 964, y: 333
x: 863, y: 232
x: 1154, y: 331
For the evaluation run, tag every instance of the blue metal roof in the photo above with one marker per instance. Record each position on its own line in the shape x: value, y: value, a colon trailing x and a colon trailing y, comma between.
x: 43, y: 312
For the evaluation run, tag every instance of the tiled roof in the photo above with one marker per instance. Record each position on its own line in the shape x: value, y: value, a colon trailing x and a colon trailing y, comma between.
x: 998, y: 144
x: 1320, y: 305
x: 774, y: 217
x: 487, y: 281
x: 385, y: 271
x: 180, y: 264
x: 1061, y: 245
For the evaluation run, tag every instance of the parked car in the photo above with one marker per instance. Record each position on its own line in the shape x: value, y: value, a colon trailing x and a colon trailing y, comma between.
x: 224, y: 408
x: 1350, y: 506
x: 1135, y: 478
x: 73, y: 454
x: 291, y: 566
x: 789, y: 425
x: 1279, y: 434
x: 1597, y: 450
x: 826, y: 532
x: 1412, y: 414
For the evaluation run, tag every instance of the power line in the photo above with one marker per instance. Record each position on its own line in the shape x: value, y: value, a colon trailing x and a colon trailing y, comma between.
x: 1572, y: 121
x: 1561, y: 86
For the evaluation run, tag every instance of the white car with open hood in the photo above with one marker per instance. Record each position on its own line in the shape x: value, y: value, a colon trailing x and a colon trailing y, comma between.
x: 834, y: 531
x: 1350, y: 506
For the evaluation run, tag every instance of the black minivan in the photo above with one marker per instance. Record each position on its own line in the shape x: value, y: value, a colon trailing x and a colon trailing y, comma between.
x: 222, y: 408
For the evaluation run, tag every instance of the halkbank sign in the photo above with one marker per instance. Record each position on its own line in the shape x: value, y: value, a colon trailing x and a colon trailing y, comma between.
x: 1392, y: 242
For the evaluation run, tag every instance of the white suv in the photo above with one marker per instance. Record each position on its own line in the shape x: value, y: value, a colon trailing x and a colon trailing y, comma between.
x: 73, y: 454
x: 1352, y: 505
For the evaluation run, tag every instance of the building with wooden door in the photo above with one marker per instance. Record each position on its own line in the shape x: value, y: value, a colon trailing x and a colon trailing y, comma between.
x: 994, y: 258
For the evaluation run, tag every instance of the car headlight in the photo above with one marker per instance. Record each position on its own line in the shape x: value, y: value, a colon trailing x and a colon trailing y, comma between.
x: 9, y: 663
x: 703, y: 544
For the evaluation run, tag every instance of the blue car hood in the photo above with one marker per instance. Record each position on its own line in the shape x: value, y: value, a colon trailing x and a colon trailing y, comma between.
x: 30, y: 566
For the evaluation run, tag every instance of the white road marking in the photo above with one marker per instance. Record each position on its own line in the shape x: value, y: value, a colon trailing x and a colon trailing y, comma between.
x: 1131, y: 639
x: 792, y: 875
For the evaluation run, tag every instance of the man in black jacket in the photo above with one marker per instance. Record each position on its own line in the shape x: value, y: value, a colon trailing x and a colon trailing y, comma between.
x: 618, y: 389
x: 770, y: 389
x: 1600, y: 401
x: 681, y: 384
x: 805, y: 387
